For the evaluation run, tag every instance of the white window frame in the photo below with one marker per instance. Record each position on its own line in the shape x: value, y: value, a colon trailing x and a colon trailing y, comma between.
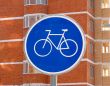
x: 27, y: 19
x: 41, y: 2
x: 24, y: 67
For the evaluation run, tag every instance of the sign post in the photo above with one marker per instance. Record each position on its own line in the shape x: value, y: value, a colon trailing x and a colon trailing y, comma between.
x: 55, y: 45
x: 53, y: 80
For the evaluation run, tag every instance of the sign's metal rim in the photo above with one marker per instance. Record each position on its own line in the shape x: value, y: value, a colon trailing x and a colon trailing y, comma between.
x: 81, y: 55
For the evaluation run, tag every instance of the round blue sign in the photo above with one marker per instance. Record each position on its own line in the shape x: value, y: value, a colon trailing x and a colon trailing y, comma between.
x: 55, y: 44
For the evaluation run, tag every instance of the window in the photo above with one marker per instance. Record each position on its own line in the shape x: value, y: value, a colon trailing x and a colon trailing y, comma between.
x: 26, y: 2
x: 91, y: 47
x: 91, y: 3
x: 106, y: 25
x: 91, y: 71
x: 106, y: 71
x: 26, y: 21
x: 31, y: 19
x: 41, y: 1
x: 34, y: 2
x: 106, y: 47
x: 27, y: 68
x: 105, y: 4
x: 91, y: 24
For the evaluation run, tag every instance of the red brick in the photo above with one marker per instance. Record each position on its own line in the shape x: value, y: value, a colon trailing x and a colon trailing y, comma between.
x: 64, y: 6
x: 11, y: 80
x: 11, y: 29
x: 11, y: 52
x: 35, y: 78
x: 11, y: 8
x: 79, y: 74
x: 11, y: 69
x: 29, y: 9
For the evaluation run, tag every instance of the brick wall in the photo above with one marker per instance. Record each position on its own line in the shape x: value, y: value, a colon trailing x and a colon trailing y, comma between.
x: 13, y: 29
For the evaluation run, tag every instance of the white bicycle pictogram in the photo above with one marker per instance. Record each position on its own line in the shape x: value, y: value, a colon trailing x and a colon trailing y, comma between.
x: 46, y: 45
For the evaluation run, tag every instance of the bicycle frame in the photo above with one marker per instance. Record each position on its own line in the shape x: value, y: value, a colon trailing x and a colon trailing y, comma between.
x: 62, y: 38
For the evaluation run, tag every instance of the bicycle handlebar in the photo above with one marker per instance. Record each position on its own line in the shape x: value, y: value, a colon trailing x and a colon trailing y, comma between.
x: 65, y: 30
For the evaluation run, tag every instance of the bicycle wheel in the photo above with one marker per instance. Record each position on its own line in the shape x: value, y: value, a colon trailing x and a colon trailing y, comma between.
x: 71, y: 50
x: 42, y: 50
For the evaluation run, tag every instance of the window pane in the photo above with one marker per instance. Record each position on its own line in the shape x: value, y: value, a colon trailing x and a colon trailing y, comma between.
x: 106, y: 28
x: 32, y: 1
x: 106, y: 25
x: 91, y: 47
x: 32, y: 20
x: 106, y: 47
x: 103, y: 49
x: 106, y: 71
x: 105, y: 4
x: 38, y: 17
x: 26, y: 2
x: 29, y: 2
x: 42, y: 2
x: 91, y: 25
x: 91, y: 71
x: 38, y: 1
x: 92, y: 4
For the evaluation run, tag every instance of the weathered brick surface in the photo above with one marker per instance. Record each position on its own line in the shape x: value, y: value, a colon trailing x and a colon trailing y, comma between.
x: 11, y: 74
x: 11, y: 29
x: 79, y: 74
x: 11, y: 8
x: 11, y: 52
x: 11, y: 69
x: 81, y: 19
x: 65, y: 6
x: 33, y: 78
x: 29, y: 9
x: 11, y: 80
